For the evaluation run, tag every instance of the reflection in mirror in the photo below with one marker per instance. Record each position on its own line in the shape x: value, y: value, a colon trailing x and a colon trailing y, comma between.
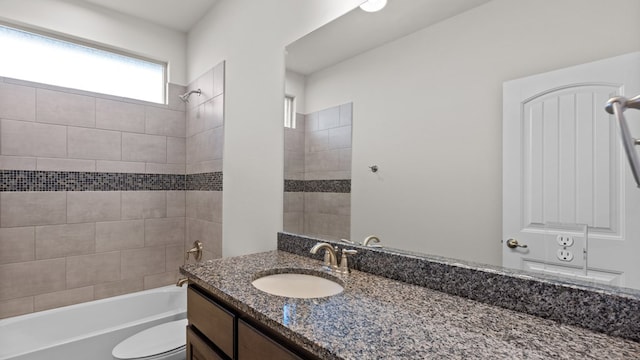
x: 317, y: 172
x: 428, y: 99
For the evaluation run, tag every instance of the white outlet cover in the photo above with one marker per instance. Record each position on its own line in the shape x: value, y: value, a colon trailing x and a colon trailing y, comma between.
x: 564, y: 240
x: 565, y: 255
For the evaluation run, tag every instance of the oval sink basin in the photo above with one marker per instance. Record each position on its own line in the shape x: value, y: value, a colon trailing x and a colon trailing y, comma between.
x: 301, y: 286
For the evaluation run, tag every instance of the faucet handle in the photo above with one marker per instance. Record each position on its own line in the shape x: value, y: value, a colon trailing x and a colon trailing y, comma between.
x: 344, y: 260
x: 196, y: 251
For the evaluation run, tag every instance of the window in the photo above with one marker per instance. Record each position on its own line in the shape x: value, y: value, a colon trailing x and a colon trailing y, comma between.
x: 289, y: 112
x: 38, y: 58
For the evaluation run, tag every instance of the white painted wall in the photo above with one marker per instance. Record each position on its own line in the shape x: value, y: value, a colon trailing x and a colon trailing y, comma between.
x: 428, y: 112
x: 90, y: 23
x: 250, y: 36
x: 295, y: 86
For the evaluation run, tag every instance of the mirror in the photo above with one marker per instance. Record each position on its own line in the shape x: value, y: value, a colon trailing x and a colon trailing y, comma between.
x: 425, y: 80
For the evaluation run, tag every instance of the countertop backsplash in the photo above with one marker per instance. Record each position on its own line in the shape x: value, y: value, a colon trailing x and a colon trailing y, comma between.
x: 608, y: 310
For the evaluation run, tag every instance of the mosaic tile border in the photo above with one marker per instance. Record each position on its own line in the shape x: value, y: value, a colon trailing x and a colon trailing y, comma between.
x: 204, y: 181
x: 333, y: 186
x: 34, y: 180
x: 603, y: 309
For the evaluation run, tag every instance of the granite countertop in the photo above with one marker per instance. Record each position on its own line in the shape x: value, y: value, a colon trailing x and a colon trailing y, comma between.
x: 379, y: 318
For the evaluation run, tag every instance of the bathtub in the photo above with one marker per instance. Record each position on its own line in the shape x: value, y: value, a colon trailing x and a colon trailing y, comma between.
x: 89, y: 330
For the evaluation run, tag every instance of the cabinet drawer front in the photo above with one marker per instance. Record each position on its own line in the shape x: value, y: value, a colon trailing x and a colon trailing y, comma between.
x: 197, y: 349
x: 253, y: 345
x: 214, y: 322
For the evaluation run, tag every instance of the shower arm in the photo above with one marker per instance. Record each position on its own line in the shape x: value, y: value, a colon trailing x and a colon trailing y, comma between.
x: 616, y: 106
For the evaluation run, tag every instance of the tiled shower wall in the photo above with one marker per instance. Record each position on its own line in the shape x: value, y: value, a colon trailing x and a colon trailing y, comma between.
x: 317, y: 199
x: 205, y: 140
x: 92, y: 198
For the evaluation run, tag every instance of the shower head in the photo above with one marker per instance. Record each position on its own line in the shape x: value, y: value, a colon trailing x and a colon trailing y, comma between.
x: 185, y: 97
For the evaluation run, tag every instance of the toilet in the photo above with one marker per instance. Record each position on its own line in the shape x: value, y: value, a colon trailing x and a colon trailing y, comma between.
x: 162, y: 342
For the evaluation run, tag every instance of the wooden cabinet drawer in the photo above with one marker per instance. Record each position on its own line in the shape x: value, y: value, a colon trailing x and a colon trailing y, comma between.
x: 213, y: 321
x: 254, y: 345
x: 198, y: 349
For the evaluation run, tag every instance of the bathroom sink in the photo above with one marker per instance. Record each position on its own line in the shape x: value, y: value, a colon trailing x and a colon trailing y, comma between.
x: 301, y: 286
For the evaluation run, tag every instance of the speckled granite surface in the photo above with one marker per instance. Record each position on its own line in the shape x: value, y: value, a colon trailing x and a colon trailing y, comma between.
x: 609, y: 310
x: 379, y: 318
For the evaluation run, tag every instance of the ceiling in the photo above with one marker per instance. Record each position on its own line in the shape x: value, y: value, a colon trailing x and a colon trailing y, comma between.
x: 359, y: 31
x: 179, y: 15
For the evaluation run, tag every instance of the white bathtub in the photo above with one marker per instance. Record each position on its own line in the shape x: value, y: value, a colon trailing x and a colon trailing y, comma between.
x: 88, y: 330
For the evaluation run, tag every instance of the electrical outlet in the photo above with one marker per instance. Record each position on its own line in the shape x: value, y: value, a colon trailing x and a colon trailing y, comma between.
x: 565, y: 255
x: 564, y: 240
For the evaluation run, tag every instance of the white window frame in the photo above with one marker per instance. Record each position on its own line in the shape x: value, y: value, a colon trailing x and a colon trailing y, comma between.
x: 99, y: 48
x: 289, y: 111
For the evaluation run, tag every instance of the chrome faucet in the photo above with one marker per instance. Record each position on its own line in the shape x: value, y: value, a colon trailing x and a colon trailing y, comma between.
x: 373, y: 239
x: 182, y: 282
x: 344, y: 261
x: 330, y: 261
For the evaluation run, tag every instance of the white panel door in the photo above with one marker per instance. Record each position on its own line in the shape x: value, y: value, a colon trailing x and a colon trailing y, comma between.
x: 564, y: 165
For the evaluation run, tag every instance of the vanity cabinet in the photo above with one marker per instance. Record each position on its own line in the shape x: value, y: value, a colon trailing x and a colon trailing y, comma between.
x: 218, y: 331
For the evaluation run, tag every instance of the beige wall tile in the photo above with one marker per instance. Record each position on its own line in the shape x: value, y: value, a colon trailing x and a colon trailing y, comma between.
x: 17, y: 102
x: 17, y: 244
x: 144, y: 204
x: 116, y: 288
x: 167, y: 122
x: 345, y: 161
x: 322, y: 161
x: 327, y: 175
x: 31, y: 278
x: 120, y: 166
x: 85, y: 270
x: 32, y: 208
x: 346, y: 114
x: 56, y: 241
x: 294, y: 165
x: 139, y: 147
x: 209, y: 233
x: 176, y: 203
x: 214, y: 113
x: 92, y: 206
x: 205, y: 205
x: 175, y: 257
x: 119, y: 235
x: 177, y: 169
x: 204, y: 82
x: 176, y: 150
x: 218, y: 79
x: 331, y: 226
x: 327, y: 203
x: 204, y: 166
x: 340, y: 137
x: 195, y: 120
x: 164, y: 231
x: 294, y: 222
x: 94, y: 144
x: 47, y: 164
x: 174, y: 102
x: 118, y: 115
x: 141, y: 262
x: 317, y: 141
x: 32, y: 139
x: 329, y: 118
x: 311, y: 122
x: 63, y: 298
x: 293, y: 201
x: 17, y: 163
x: 58, y: 107
x: 15, y: 307
x: 207, y: 145
x: 162, y: 279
